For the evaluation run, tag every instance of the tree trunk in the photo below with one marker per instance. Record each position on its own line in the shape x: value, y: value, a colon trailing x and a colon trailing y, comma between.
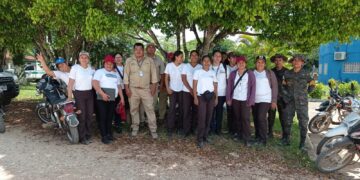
x: 3, y: 59
x: 178, y: 40
x: 186, y: 51
x: 209, y: 35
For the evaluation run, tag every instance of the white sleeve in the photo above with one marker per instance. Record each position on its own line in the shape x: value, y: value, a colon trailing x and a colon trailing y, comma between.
x: 196, y: 74
x: 97, y: 75
x: 57, y: 74
x: 72, y: 73
x: 184, y: 70
x: 215, y: 78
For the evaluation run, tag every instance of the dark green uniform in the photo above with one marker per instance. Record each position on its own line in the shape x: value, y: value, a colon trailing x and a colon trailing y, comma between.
x: 296, y: 98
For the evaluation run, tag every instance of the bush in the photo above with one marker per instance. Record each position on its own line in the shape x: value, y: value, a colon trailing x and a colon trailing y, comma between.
x: 319, y: 91
x: 345, y: 88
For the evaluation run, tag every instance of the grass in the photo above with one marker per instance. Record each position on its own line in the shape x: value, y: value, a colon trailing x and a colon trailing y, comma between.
x: 28, y: 92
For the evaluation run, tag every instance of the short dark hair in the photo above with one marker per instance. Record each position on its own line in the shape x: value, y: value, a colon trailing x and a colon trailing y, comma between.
x: 216, y: 51
x: 206, y: 56
x: 176, y: 54
x: 118, y: 53
x: 138, y: 45
x: 194, y: 51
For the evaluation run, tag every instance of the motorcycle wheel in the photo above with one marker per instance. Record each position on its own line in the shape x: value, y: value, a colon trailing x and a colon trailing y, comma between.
x: 72, y: 133
x: 319, y: 123
x: 43, y: 115
x: 334, y: 159
x: 2, y: 124
x: 326, y: 140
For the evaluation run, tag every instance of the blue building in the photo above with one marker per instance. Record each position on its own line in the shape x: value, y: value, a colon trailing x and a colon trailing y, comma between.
x: 339, y: 61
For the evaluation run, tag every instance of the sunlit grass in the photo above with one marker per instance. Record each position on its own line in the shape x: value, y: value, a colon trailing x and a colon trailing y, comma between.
x: 28, y: 92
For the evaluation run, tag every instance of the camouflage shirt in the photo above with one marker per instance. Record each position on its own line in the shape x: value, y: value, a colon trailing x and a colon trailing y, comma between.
x: 296, y: 85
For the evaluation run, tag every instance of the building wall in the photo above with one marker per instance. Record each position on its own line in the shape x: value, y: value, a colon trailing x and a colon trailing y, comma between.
x: 342, y: 70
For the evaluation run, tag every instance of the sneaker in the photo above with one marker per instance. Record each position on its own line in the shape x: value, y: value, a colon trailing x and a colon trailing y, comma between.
x: 207, y: 141
x: 105, y: 140
x: 85, y: 142
x: 200, y: 144
x: 285, y: 142
x: 134, y: 133
x: 111, y: 138
x: 154, y: 135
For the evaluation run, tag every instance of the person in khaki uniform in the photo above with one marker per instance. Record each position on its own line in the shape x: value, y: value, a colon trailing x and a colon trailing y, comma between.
x: 140, y: 81
x: 160, y: 68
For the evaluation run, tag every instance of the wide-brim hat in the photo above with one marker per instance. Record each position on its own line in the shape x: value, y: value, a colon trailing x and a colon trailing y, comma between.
x: 284, y: 58
x: 84, y: 53
x: 301, y: 57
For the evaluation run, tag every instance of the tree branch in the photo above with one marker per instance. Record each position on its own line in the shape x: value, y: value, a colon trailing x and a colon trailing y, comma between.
x: 138, y: 37
x: 193, y: 29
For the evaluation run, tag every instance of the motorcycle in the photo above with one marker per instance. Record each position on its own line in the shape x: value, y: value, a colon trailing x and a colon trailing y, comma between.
x: 2, y: 120
x: 324, y: 118
x: 55, y: 109
x: 341, y: 153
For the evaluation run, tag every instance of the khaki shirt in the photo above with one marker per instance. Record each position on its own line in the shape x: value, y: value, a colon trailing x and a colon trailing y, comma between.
x: 140, y: 75
x: 160, y: 66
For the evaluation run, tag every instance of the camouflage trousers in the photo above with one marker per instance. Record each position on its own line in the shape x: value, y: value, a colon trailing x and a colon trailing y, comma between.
x: 301, y: 110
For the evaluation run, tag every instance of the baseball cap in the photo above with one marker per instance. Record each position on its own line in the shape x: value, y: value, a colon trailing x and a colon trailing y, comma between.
x: 84, y: 53
x: 59, y: 60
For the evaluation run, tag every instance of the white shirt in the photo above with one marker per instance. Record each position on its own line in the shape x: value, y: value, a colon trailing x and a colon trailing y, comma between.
x: 174, y: 73
x: 232, y: 68
x: 221, y: 76
x: 205, y: 80
x: 121, y: 69
x: 82, y: 77
x: 241, y: 90
x: 189, y: 70
x: 107, y: 79
x: 263, y: 90
x: 64, y: 76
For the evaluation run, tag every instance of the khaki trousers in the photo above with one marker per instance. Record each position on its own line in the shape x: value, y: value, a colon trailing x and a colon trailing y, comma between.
x: 144, y: 97
x: 142, y: 109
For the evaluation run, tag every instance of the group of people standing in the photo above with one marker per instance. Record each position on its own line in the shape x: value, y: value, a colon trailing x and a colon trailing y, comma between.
x: 198, y: 92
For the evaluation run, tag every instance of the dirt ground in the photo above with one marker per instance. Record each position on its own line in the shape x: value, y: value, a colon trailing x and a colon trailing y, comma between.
x: 28, y: 151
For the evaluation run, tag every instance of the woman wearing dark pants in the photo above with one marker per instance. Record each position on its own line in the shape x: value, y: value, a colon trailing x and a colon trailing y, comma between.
x: 265, y: 98
x: 174, y: 87
x: 80, y: 81
x: 189, y: 108
x: 205, y: 97
x: 107, y: 86
x: 240, y: 95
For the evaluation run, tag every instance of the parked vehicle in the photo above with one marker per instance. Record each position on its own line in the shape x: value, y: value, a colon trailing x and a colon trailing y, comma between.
x: 336, y: 105
x: 2, y: 120
x: 9, y: 85
x: 33, y: 71
x: 55, y: 109
x: 341, y: 153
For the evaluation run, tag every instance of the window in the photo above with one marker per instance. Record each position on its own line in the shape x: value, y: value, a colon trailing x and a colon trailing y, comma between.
x: 320, y: 68
x: 325, y: 68
x: 30, y: 68
x: 351, y: 67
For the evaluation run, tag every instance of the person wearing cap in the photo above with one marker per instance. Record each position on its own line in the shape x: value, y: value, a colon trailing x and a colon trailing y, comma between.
x: 189, y: 108
x: 240, y: 95
x: 106, y: 82
x: 205, y: 97
x: 141, y: 81
x: 174, y: 87
x: 297, y: 82
x: 80, y: 81
x: 279, y: 70
x: 222, y: 74
x: 63, y: 68
x: 265, y: 98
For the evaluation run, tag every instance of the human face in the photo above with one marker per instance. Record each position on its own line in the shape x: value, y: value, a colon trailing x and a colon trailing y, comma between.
x: 217, y: 58
x: 150, y: 50
x: 260, y: 65
x: 279, y: 63
x: 206, y: 62
x: 84, y: 60
x: 241, y: 65
x: 179, y: 59
x: 63, y: 67
x: 194, y: 57
x: 109, y: 66
x: 297, y: 63
x: 232, y: 61
x: 118, y: 59
x: 139, y: 52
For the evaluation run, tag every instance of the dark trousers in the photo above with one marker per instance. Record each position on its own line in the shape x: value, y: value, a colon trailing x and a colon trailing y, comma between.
x: 175, y: 99
x: 282, y: 118
x: 301, y: 109
x: 204, y: 118
x: 106, y: 115
x: 216, y: 121
x: 230, y: 120
x: 189, y: 112
x: 259, y: 111
x: 85, y: 103
x: 241, y: 114
x: 117, y: 120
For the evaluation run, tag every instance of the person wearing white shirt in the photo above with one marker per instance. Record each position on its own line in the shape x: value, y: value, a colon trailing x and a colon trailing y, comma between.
x: 189, y: 108
x: 61, y: 65
x: 265, y: 98
x: 205, y: 97
x: 80, y: 79
x: 231, y: 64
x: 119, y: 69
x: 174, y: 87
x: 106, y: 78
x: 222, y: 74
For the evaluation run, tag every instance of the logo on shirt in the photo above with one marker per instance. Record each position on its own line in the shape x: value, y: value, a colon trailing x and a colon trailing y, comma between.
x: 111, y: 76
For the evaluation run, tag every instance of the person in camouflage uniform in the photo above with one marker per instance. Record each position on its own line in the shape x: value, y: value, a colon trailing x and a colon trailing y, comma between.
x: 296, y: 86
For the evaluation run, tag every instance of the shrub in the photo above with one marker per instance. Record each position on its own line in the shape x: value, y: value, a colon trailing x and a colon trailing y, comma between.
x: 345, y: 88
x: 319, y: 91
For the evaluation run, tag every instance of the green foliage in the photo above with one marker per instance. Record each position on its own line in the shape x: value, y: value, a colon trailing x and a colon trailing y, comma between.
x: 319, y: 91
x: 332, y: 82
x: 345, y: 88
x: 18, y: 59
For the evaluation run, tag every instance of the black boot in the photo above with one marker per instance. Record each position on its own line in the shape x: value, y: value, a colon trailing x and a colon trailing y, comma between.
x: 302, y: 144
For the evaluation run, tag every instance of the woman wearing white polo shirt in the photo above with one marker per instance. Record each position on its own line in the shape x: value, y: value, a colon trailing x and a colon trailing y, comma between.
x: 174, y: 86
x: 205, y: 97
x: 80, y: 78
x: 189, y: 108
x: 106, y: 81
x: 265, y: 98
